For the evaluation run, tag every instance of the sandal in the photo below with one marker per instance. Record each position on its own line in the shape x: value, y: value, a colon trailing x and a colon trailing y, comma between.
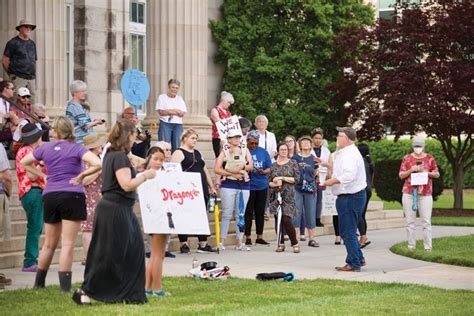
x: 280, y: 248
x: 81, y: 298
x: 296, y: 248
x: 313, y: 243
x: 161, y: 293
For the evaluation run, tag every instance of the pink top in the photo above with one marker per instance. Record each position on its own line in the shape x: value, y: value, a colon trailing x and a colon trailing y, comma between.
x: 429, y: 164
x: 24, y: 183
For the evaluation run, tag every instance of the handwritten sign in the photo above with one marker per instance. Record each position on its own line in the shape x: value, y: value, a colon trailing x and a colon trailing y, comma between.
x: 226, y: 125
x: 173, y: 207
x: 328, y: 203
x: 135, y: 87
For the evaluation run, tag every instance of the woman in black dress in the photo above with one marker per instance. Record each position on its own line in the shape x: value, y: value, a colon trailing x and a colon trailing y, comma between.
x: 115, y: 266
x: 191, y: 161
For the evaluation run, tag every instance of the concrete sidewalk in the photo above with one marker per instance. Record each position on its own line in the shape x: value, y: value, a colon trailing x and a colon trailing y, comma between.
x: 312, y: 263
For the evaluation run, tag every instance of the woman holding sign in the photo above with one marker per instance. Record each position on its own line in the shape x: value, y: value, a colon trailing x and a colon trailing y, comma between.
x: 191, y: 161
x: 219, y: 112
x: 418, y: 196
x: 115, y: 265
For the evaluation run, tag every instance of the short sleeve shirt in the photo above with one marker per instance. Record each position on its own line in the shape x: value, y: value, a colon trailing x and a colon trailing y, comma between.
x: 261, y: 161
x: 22, y: 54
x: 24, y: 182
x: 113, y: 161
x: 429, y: 164
x: 63, y: 160
x: 164, y: 102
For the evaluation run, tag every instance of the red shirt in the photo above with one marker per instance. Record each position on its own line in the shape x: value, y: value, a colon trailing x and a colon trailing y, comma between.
x: 24, y: 183
x: 429, y: 164
x: 222, y: 115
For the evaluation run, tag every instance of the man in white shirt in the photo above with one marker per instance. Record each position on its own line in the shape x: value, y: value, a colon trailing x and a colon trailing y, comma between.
x: 267, y: 139
x: 348, y: 183
x: 171, y: 109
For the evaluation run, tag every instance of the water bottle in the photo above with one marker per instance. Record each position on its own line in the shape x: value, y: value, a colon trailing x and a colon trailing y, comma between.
x: 212, y: 203
x: 195, y: 263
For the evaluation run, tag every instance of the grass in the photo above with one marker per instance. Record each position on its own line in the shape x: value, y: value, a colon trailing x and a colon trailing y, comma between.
x: 251, y: 297
x: 445, y: 200
x: 453, y: 221
x: 457, y: 250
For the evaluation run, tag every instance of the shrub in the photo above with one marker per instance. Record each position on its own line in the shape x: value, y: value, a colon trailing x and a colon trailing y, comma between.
x: 389, y: 186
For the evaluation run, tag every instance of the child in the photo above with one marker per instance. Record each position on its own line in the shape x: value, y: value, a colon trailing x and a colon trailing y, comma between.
x: 154, y: 268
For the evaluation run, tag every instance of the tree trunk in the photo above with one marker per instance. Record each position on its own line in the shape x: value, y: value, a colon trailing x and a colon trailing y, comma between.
x: 458, y: 186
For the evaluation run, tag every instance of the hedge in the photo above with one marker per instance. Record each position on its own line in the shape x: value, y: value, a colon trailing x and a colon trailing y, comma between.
x: 390, y: 150
x: 389, y: 185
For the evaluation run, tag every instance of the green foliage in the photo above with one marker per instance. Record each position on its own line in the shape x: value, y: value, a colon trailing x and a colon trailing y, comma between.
x: 277, y: 57
x: 449, y: 250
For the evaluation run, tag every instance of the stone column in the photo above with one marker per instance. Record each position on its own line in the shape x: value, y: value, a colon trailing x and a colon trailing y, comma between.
x: 177, y: 37
x: 50, y: 38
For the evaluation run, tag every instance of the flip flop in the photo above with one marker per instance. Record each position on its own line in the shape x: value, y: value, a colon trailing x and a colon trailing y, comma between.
x: 365, y: 244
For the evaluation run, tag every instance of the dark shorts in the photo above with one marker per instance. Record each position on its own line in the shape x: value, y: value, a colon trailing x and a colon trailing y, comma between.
x: 69, y: 206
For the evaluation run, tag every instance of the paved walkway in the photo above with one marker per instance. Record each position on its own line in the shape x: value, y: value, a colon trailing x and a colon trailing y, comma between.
x: 311, y: 263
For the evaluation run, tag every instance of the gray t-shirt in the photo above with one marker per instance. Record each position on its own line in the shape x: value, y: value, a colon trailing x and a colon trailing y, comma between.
x: 4, y: 165
x: 22, y: 54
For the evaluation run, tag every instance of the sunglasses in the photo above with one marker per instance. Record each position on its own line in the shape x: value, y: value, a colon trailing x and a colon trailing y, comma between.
x: 25, y: 97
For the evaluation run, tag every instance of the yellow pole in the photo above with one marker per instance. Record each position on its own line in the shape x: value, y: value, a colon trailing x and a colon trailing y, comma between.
x: 217, y: 224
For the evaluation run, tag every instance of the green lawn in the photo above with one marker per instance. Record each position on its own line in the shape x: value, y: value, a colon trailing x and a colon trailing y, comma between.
x: 444, y: 201
x: 251, y: 297
x: 457, y: 250
x: 453, y: 221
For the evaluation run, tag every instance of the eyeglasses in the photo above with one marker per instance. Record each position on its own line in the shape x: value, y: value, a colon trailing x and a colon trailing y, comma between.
x: 25, y: 97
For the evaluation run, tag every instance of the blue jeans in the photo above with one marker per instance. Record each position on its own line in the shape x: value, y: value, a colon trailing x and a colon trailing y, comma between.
x: 170, y: 133
x: 349, y: 208
x: 306, y: 204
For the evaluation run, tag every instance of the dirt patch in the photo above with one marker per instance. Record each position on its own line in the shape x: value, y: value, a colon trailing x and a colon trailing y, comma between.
x: 451, y: 212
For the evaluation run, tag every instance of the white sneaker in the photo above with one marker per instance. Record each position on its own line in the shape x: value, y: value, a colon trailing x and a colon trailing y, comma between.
x: 221, y: 246
x: 243, y: 247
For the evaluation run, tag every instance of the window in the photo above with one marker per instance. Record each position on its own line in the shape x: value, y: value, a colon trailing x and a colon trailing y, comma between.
x: 137, y: 40
x: 386, y: 9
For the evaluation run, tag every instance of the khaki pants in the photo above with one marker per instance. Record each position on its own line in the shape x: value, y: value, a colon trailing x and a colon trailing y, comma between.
x: 5, y: 220
x: 30, y: 84
x: 425, y: 206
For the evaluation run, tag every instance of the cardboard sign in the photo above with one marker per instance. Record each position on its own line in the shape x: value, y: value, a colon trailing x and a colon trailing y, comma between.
x: 419, y: 178
x: 173, y: 203
x: 328, y: 203
x: 228, y: 124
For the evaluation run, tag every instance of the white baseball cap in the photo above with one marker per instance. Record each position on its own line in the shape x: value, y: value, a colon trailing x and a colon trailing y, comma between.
x: 23, y: 92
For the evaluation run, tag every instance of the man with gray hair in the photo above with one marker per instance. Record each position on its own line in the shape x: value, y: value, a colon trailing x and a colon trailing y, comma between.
x: 83, y: 124
x: 348, y: 184
x: 219, y: 112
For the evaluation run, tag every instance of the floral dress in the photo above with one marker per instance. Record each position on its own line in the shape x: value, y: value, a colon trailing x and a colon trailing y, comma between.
x: 287, y: 190
x: 93, y: 196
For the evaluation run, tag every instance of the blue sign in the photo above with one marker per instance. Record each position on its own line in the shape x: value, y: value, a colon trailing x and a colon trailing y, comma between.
x: 135, y: 87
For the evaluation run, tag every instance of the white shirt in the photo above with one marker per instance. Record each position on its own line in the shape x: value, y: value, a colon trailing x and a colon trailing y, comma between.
x: 349, y: 169
x: 268, y: 142
x: 325, y: 153
x: 4, y: 109
x: 164, y: 102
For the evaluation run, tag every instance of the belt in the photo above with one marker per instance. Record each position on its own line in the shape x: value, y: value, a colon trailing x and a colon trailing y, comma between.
x: 347, y: 194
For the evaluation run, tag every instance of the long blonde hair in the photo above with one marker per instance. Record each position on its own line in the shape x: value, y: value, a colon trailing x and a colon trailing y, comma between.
x: 64, y: 128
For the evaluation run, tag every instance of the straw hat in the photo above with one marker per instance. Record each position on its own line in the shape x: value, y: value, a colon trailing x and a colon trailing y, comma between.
x: 94, y: 140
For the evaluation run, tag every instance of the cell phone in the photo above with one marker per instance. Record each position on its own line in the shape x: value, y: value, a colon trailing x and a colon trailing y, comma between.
x: 103, y: 121
x: 419, y: 163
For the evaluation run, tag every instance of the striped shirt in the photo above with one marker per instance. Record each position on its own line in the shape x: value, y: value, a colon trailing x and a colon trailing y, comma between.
x: 80, y: 118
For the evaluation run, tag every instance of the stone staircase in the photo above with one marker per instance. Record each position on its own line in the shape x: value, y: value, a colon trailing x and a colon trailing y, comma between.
x: 11, y: 251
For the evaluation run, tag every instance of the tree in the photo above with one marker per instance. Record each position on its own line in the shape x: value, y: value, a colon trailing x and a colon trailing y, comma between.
x: 277, y: 57
x: 413, y: 73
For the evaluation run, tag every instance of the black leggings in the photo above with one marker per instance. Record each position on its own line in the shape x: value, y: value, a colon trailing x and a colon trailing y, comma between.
x: 335, y: 223
x: 290, y: 230
x: 184, y: 238
x: 216, y: 146
x: 256, y: 204
x: 362, y: 226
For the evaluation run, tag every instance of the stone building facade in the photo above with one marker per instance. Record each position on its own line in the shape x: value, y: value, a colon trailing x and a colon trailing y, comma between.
x: 92, y: 40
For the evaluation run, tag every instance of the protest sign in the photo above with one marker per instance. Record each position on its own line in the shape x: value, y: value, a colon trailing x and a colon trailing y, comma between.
x: 173, y: 203
x: 328, y: 203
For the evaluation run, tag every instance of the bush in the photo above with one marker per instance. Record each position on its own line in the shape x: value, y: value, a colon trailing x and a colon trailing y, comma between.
x: 388, y: 149
x: 389, y: 186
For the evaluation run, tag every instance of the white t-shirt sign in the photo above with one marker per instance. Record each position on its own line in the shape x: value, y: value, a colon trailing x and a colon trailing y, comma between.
x: 173, y: 207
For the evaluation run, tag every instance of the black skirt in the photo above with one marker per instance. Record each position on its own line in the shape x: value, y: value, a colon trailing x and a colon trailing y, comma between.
x: 115, y: 266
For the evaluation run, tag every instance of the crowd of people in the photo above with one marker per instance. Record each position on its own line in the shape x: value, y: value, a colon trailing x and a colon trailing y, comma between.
x: 83, y: 181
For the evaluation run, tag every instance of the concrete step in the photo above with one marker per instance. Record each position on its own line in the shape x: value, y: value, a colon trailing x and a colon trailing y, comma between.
x: 17, y: 243
x: 15, y: 259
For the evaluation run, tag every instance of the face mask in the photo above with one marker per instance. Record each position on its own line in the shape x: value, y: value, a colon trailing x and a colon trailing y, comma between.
x: 418, y: 150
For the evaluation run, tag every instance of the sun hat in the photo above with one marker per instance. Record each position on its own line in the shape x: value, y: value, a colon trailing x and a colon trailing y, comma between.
x: 94, y: 140
x: 25, y: 22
